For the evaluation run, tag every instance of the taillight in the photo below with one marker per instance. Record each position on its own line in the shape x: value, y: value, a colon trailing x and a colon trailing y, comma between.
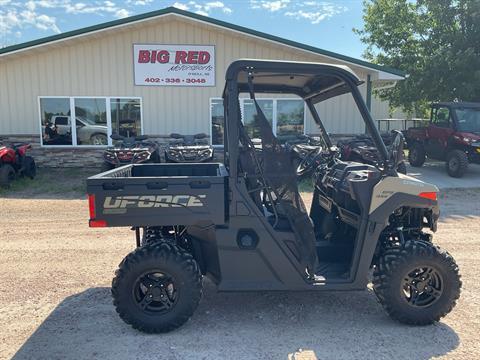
x: 429, y: 195
x: 91, y: 207
x: 97, y: 223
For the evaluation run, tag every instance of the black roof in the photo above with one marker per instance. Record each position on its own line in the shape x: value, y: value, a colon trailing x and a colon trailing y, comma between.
x: 316, y: 81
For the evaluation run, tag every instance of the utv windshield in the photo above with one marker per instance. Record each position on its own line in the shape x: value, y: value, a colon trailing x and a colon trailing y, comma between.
x: 468, y: 119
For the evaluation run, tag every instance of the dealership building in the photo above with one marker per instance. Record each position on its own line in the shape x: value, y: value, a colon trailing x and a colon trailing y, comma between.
x: 155, y: 74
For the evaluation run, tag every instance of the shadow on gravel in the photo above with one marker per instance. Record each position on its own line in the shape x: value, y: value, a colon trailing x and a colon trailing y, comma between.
x: 341, y: 325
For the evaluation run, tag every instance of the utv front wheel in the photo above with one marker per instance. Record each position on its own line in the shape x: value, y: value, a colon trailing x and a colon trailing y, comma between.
x: 416, y: 155
x: 157, y: 288
x: 417, y: 283
x: 457, y: 163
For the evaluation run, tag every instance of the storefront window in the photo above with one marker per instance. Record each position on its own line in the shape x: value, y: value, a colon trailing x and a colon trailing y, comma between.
x: 94, y: 122
x: 286, y: 116
x: 55, y: 120
x: 290, y: 118
x: 218, y: 121
x: 91, y: 120
x: 250, y: 116
x: 126, y: 117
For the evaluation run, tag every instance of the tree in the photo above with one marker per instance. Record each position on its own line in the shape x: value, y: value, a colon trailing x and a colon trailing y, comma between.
x: 436, y: 42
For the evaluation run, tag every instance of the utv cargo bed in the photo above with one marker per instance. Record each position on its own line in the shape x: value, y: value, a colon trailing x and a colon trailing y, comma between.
x: 158, y: 194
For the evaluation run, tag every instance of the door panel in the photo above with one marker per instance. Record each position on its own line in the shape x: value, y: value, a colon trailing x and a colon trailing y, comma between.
x: 438, y: 133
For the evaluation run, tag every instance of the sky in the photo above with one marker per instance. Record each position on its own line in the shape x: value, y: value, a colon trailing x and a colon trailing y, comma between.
x: 324, y: 24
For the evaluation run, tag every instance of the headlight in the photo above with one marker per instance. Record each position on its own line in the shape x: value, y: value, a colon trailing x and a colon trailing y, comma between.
x: 143, y: 155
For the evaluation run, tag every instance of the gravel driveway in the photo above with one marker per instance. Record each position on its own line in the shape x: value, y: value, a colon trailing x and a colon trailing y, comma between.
x: 55, y: 302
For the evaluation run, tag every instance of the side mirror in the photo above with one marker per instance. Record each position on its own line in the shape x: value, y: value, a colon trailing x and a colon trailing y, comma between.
x: 396, y: 149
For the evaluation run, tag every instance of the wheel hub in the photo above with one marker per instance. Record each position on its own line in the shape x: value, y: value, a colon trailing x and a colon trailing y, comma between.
x: 155, y: 292
x: 422, y: 287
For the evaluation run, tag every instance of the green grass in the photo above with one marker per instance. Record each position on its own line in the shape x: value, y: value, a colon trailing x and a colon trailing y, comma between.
x: 306, y: 185
x: 50, y: 182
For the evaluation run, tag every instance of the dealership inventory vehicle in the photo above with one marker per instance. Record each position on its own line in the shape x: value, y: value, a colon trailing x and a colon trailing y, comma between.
x: 244, y: 224
x: 453, y: 136
x: 188, y: 148
x: 361, y: 148
x: 130, y: 150
x: 15, y: 162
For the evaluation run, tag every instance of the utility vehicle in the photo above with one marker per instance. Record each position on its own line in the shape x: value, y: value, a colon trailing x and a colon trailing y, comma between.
x: 243, y: 223
x: 453, y: 135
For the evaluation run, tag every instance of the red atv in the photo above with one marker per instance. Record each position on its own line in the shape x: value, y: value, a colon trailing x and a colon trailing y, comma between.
x: 14, y: 162
x: 453, y: 135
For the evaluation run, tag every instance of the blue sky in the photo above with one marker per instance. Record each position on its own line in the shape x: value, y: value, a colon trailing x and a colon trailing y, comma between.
x: 325, y: 24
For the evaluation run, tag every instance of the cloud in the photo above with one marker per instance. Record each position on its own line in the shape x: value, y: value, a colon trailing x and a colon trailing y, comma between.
x: 203, y: 8
x: 16, y: 16
x: 312, y: 11
x: 271, y: 6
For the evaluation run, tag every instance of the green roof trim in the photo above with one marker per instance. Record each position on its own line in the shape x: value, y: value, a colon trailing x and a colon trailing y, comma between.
x: 173, y: 10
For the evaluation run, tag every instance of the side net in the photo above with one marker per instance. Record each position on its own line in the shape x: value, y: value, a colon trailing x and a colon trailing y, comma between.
x: 275, y: 174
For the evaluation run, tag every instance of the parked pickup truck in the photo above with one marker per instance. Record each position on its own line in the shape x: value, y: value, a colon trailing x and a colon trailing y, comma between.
x: 142, y: 195
x: 453, y: 135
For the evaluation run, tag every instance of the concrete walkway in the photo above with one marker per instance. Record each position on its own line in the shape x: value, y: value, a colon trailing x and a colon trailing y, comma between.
x: 434, y: 172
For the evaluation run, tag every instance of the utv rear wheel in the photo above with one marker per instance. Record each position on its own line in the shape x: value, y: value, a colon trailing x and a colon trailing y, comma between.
x: 7, y: 175
x: 416, y: 155
x: 457, y: 163
x: 157, y: 288
x: 417, y: 283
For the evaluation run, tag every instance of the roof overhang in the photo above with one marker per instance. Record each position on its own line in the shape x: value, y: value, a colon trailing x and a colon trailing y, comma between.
x: 381, y: 72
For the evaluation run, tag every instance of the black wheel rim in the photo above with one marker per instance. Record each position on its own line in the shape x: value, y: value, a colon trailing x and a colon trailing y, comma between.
x: 155, y: 292
x: 422, y: 287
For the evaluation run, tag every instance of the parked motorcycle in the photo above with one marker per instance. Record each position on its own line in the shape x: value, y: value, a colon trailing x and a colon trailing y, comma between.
x: 188, y: 148
x: 15, y: 162
x: 362, y: 149
x: 130, y: 150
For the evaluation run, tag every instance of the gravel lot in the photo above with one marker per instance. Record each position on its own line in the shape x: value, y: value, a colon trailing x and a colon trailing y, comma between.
x: 55, y: 302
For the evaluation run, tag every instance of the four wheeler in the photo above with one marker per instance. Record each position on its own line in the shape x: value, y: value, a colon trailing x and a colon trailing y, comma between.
x: 361, y: 148
x: 189, y: 149
x: 243, y: 224
x: 130, y: 150
x: 453, y: 136
x: 14, y: 162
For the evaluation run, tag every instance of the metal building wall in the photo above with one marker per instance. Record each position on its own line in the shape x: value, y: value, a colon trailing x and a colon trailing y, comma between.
x: 102, y: 65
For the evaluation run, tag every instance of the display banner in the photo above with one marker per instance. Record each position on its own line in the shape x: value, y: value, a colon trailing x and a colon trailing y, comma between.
x: 174, y: 65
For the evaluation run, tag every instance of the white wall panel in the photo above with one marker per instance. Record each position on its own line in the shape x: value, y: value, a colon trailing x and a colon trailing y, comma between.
x: 102, y: 65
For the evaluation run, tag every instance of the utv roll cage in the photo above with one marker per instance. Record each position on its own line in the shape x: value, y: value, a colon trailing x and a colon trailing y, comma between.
x: 270, y: 180
x: 313, y: 82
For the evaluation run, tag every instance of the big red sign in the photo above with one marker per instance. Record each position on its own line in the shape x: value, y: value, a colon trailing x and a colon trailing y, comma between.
x: 174, y: 65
